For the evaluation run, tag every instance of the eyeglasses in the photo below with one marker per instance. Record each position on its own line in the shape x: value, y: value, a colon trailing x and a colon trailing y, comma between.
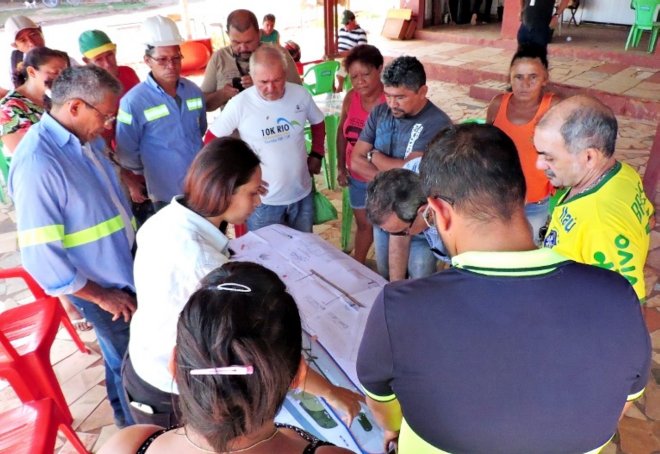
x: 107, y: 119
x: 165, y: 61
x: 429, y: 215
x: 406, y: 231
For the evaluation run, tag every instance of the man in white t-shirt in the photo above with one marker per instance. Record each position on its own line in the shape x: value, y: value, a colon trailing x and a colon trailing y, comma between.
x: 270, y: 116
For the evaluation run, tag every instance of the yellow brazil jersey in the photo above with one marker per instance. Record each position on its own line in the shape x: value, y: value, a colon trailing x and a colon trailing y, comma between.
x: 606, y: 226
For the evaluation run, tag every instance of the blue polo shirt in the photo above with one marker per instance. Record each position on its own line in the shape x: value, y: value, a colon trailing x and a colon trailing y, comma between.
x: 507, y: 352
x: 69, y: 229
x: 158, y: 136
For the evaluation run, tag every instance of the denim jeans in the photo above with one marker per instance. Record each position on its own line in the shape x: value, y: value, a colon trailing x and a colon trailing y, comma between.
x: 421, y: 261
x: 113, y: 340
x: 537, y: 215
x: 298, y: 215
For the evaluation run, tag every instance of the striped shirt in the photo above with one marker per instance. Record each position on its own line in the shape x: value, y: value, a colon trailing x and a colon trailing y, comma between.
x: 349, y: 39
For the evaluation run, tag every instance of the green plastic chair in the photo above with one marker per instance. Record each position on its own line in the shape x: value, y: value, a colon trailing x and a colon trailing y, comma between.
x: 347, y: 83
x: 4, y: 170
x: 477, y: 121
x: 346, y: 220
x: 645, y: 13
x: 330, y: 161
x: 324, y: 77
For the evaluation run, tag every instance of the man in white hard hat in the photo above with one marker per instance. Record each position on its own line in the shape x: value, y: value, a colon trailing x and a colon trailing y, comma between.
x: 228, y: 71
x: 161, y: 120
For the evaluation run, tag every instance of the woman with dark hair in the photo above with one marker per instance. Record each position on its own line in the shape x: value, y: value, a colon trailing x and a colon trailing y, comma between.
x: 23, y: 106
x: 517, y: 113
x: 176, y: 248
x: 363, y: 64
x: 238, y: 352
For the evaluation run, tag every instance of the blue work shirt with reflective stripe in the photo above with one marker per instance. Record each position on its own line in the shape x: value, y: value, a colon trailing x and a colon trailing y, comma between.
x: 158, y: 137
x: 69, y: 229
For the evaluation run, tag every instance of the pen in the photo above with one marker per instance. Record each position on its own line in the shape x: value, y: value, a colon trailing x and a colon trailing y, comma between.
x: 352, y: 300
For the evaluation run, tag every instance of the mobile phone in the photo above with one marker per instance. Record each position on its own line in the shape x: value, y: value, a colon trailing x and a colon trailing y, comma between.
x: 236, y: 83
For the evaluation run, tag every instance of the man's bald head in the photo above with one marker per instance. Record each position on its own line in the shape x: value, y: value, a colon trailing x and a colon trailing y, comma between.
x: 583, y: 122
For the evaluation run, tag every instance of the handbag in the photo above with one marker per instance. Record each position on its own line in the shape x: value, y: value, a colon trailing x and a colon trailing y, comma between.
x: 324, y: 210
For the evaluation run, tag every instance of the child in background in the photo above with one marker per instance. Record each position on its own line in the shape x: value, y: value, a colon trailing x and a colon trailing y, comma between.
x: 268, y: 32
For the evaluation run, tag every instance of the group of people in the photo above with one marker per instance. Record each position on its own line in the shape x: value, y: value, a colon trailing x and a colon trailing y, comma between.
x: 503, y: 352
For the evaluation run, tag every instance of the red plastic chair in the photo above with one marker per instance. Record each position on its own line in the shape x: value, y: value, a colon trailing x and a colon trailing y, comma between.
x: 27, y: 333
x: 196, y: 55
x: 32, y: 429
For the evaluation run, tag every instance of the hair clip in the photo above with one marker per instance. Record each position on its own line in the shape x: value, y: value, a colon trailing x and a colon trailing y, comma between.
x: 234, y: 287
x: 229, y: 370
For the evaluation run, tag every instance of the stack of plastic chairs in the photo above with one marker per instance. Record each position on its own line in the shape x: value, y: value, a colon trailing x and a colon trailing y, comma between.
x: 27, y: 333
x: 646, y: 12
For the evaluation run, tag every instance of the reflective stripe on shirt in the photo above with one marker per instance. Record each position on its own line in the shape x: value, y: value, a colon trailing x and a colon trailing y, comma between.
x: 194, y: 103
x: 154, y: 113
x: 50, y: 233
x: 124, y: 117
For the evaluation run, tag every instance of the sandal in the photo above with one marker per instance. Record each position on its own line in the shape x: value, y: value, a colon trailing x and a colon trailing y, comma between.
x: 81, y: 324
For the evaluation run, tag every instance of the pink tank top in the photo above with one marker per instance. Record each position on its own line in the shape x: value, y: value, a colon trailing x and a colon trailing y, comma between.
x: 356, y: 118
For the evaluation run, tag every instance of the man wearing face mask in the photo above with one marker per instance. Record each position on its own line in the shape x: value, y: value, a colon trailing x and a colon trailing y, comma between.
x: 505, y: 351
x: 228, y: 71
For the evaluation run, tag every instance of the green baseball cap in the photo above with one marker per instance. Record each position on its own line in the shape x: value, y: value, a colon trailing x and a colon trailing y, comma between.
x: 94, y: 42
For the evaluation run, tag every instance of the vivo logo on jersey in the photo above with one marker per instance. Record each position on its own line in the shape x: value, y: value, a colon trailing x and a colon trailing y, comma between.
x: 567, y: 221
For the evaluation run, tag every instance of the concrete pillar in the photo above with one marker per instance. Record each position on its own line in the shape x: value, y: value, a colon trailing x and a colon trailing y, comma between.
x: 418, y: 7
x: 511, y: 19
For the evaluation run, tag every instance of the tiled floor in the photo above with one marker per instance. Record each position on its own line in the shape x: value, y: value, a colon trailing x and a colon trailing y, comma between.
x: 82, y: 377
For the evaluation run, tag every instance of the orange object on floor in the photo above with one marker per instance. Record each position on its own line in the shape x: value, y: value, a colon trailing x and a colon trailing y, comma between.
x: 27, y: 333
x: 32, y: 429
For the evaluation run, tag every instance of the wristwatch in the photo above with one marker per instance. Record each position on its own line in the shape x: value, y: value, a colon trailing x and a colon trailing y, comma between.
x: 370, y: 155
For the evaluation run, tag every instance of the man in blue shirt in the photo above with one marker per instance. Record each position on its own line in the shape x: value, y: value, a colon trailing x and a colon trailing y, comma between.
x: 74, y: 225
x: 161, y: 120
x: 397, y: 132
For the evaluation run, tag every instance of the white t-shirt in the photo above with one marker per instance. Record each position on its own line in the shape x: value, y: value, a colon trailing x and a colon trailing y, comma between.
x: 176, y: 248
x: 275, y: 130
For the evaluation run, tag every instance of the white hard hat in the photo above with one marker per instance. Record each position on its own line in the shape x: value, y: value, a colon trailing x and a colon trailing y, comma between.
x: 16, y: 24
x: 160, y: 31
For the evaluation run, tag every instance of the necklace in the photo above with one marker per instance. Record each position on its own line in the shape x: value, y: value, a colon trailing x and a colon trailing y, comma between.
x: 247, y: 448
x: 595, y: 183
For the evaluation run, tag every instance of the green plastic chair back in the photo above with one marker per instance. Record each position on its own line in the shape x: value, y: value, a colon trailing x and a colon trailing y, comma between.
x: 4, y: 170
x: 347, y: 83
x: 324, y: 77
x: 346, y: 220
x: 330, y: 161
x: 478, y: 121
x: 645, y: 14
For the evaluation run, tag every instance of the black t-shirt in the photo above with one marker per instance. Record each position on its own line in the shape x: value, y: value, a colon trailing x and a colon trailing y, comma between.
x: 537, y: 13
x: 539, y: 359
